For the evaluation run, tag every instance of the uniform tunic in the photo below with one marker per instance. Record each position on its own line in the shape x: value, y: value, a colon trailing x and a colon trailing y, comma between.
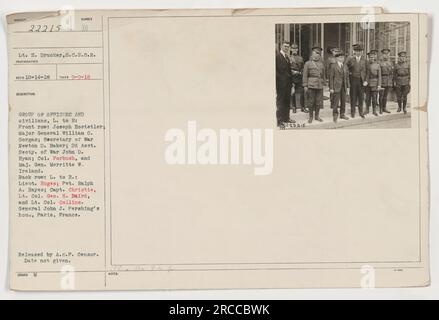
x: 387, y: 70
x: 373, y: 77
x: 314, y: 79
x: 402, y: 81
x: 314, y: 75
x: 402, y: 74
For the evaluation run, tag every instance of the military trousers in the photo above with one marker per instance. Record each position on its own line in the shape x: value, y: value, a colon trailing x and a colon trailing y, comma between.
x: 384, y: 94
x: 314, y: 99
x: 401, y: 93
x: 372, y: 98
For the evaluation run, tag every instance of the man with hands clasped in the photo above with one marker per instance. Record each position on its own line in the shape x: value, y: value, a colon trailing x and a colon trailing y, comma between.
x: 338, y: 85
x: 357, y: 66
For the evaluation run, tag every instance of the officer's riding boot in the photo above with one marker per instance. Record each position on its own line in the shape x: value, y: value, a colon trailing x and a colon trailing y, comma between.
x: 385, y: 105
x: 399, y: 106
x: 335, y: 116
x: 382, y: 103
x: 311, y: 115
x: 374, y: 104
x: 405, y: 106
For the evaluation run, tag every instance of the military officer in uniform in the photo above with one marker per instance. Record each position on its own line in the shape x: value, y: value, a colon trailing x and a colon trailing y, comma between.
x: 402, y: 81
x: 357, y: 66
x: 339, y: 85
x: 387, y: 70
x: 373, y: 79
x: 313, y: 82
x: 317, y: 49
x: 297, y: 64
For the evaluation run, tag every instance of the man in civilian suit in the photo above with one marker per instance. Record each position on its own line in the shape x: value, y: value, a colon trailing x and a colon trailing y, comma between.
x: 338, y: 85
x: 284, y: 83
x: 357, y: 65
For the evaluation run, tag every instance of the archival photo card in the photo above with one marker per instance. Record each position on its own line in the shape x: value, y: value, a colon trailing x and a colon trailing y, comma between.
x: 197, y: 149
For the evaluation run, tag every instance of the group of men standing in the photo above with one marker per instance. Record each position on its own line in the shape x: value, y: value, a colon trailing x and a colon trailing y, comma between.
x: 300, y: 85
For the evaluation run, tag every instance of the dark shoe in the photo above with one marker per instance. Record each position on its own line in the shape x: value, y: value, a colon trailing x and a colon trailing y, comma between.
x: 310, y: 120
x: 386, y: 111
x: 344, y: 117
x: 294, y: 110
x: 362, y: 115
x: 319, y: 119
x: 375, y: 114
x: 304, y: 110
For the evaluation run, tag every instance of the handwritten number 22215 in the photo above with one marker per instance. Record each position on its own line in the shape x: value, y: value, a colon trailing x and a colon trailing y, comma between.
x: 45, y: 28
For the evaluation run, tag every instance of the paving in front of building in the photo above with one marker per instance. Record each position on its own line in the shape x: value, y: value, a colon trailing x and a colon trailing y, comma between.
x: 386, y: 120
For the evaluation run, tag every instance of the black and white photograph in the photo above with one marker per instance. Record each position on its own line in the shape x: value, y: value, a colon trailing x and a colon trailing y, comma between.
x: 189, y: 151
x: 343, y: 75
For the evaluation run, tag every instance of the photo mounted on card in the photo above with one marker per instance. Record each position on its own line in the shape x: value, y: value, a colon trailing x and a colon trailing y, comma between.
x: 198, y: 149
x: 343, y: 75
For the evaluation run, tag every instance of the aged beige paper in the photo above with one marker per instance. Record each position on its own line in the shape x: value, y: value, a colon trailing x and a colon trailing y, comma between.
x: 186, y: 149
